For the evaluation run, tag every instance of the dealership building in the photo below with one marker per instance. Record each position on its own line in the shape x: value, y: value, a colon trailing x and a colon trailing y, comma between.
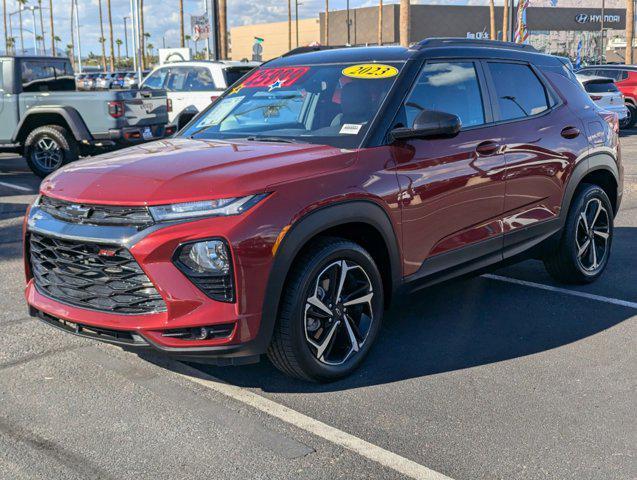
x: 553, y: 29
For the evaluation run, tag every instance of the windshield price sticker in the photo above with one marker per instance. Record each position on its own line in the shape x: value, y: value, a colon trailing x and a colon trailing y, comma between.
x: 350, y: 129
x: 277, y: 77
x: 370, y: 71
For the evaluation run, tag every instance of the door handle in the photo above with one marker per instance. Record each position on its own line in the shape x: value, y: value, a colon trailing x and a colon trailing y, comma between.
x: 487, y: 148
x: 570, y: 132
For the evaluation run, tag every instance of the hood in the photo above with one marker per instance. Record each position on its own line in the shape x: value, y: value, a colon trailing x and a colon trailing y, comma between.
x: 181, y: 170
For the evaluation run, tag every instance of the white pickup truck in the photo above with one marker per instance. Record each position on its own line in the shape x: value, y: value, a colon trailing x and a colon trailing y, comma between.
x: 191, y: 86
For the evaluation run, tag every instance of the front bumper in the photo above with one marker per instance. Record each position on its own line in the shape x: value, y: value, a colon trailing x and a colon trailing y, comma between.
x: 186, y: 306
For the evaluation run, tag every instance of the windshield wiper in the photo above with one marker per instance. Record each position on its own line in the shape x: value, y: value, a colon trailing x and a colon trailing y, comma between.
x: 271, y: 139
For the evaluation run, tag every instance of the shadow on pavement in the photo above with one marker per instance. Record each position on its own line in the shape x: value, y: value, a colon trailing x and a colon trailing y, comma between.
x: 458, y: 325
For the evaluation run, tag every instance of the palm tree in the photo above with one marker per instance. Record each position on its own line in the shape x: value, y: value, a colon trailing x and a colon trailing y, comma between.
x: 6, y: 35
x: 505, y: 21
x: 630, y: 30
x: 223, y: 28
x: 110, y: 28
x: 119, y: 42
x: 39, y: 39
x: 21, y: 4
x: 54, y: 38
x: 289, y: 25
x: 380, y: 22
x: 187, y: 39
x: 145, y: 37
x: 11, y: 45
x: 102, y: 39
x: 493, y: 33
x: 149, y: 48
x: 41, y: 26
x: 404, y: 22
x: 181, y: 24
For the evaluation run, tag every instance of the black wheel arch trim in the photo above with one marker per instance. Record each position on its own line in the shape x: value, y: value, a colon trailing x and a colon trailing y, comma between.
x: 70, y: 115
x: 311, y: 225
x: 593, y: 162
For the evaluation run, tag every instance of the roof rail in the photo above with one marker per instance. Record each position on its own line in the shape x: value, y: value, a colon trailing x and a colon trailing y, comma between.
x: 459, y: 41
x: 313, y: 48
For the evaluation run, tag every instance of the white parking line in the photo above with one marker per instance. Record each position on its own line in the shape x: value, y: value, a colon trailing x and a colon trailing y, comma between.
x: 17, y: 187
x: 575, y: 293
x: 388, y: 459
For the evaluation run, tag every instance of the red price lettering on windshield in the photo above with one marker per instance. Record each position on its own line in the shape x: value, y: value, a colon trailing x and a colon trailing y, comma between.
x: 285, y: 75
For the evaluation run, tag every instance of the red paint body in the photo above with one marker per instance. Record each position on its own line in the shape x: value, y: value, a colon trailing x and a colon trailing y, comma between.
x: 440, y: 195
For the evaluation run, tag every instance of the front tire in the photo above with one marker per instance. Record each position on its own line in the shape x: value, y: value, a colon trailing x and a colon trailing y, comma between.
x: 49, y: 147
x: 331, y: 312
x: 584, y: 249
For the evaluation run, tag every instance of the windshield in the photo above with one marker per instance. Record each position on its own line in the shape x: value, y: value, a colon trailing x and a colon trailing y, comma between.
x: 324, y: 104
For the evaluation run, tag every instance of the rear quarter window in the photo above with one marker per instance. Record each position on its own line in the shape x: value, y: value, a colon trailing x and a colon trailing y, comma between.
x: 601, y: 87
x: 233, y: 74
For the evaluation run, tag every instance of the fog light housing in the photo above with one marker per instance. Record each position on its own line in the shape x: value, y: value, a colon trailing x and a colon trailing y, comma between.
x: 208, y: 265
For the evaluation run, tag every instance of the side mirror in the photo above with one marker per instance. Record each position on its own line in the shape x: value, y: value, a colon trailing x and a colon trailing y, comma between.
x: 428, y: 124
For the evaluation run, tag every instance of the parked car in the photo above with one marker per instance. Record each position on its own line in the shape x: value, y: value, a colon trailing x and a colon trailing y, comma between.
x: 46, y: 120
x: 192, y: 86
x: 287, y: 216
x: 130, y: 79
x: 79, y: 81
x: 89, y: 80
x: 605, y: 94
x: 625, y: 77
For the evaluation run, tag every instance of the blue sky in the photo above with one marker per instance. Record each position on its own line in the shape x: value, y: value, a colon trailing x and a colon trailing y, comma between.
x: 162, y: 16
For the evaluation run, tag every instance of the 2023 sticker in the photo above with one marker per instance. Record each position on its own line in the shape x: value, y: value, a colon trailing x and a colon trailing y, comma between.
x: 370, y: 71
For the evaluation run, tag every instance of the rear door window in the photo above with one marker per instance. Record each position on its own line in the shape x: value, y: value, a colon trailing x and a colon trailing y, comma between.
x: 176, y: 81
x: 450, y: 87
x: 199, y: 79
x: 36, y: 76
x: 518, y: 90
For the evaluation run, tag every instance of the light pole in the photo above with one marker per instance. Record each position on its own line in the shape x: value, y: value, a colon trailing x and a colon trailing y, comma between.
x: 601, y: 47
x: 79, y: 37
x: 126, y: 36
x: 35, y: 36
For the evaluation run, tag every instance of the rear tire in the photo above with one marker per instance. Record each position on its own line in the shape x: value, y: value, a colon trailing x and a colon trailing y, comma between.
x: 584, y: 249
x: 330, y: 314
x: 49, y: 147
x: 629, y: 121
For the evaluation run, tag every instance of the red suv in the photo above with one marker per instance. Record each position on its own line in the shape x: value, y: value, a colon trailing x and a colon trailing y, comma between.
x: 284, y: 218
x: 625, y: 77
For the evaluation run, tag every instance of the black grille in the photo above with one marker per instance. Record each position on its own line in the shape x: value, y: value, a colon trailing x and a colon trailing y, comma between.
x: 90, y: 275
x: 138, y: 217
x: 217, y: 287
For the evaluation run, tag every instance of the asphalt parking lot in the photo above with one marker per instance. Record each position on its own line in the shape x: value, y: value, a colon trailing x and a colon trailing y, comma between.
x: 507, y: 376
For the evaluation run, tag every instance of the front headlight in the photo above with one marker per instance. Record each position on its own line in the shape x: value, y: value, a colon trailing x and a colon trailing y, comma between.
x: 207, y: 208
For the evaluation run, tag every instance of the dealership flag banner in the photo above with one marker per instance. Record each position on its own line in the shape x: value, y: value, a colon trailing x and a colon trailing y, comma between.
x: 200, y: 27
x: 521, y: 32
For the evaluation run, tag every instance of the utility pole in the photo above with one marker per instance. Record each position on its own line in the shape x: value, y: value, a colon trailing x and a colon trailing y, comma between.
x: 223, y: 29
x: 511, y: 21
x: 405, y: 15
